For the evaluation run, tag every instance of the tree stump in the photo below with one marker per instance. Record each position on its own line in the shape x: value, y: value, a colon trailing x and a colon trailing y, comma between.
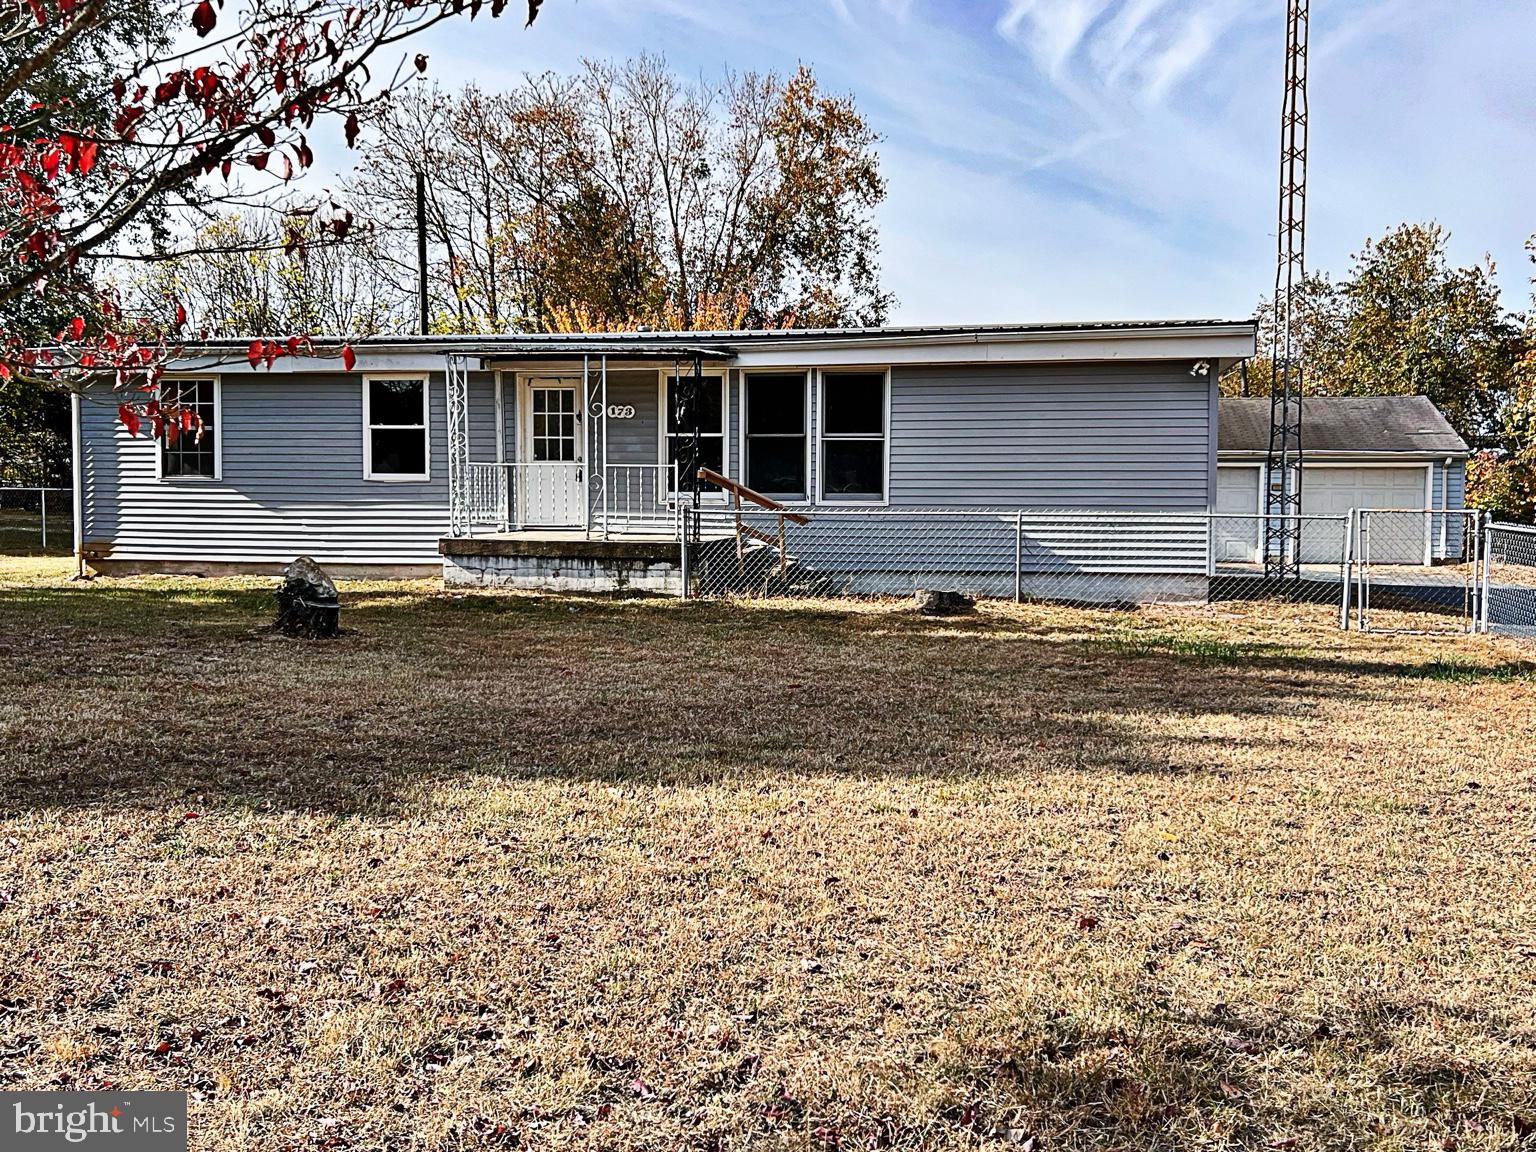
x: 943, y: 602
x: 307, y: 602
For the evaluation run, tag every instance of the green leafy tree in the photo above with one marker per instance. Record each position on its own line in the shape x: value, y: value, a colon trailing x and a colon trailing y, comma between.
x: 1502, y: 479
x: 1404, y: 321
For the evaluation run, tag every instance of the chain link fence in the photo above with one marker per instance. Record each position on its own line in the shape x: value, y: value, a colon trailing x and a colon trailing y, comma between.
x: 1509, y: 580
x: 1417, y: 571
x: 1068, y: 556
x: 36, y: 521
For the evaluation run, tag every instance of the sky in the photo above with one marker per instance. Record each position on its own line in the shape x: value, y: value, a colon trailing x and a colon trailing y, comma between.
x: 1112, y: 159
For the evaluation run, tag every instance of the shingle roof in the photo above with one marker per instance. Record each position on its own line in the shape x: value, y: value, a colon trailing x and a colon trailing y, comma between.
x: 1405, y: 424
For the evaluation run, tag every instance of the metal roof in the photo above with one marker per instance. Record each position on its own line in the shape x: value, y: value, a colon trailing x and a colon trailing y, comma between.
x: 723, y: 344
x: 1344, y: 424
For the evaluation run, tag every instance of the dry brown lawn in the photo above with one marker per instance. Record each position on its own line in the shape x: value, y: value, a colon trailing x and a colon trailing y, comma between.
x: 506, y: 871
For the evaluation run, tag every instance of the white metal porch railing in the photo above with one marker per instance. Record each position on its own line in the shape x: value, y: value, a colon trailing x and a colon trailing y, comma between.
x: 623, y: 499
x: 633, y: 498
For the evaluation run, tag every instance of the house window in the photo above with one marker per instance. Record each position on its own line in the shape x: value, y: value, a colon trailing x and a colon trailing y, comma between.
x: 775, y: 433
x: 395, y: 428
x: 190, y: 451
x: 708, y: 417
x: 853, y: 436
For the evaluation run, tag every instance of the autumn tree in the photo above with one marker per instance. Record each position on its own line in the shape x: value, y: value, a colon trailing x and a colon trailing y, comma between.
x: 121, y: 116
x: 625, y: 196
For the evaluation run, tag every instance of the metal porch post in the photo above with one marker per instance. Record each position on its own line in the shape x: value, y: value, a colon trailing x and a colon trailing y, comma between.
x: 602, y: 407
x: 458, y: 444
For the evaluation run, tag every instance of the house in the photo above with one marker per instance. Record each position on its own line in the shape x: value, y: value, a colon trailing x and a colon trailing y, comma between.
x: 1379, y: 452
x: 550, y: 460
x: 553, y: 461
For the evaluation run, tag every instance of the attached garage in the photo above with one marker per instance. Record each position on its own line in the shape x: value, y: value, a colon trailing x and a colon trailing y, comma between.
x: 1378, y: 452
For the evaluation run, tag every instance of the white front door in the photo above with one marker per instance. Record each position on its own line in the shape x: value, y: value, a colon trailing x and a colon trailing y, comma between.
x: 551, y: 478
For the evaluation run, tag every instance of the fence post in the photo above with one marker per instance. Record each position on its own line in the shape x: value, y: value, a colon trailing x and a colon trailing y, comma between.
x: 1018, y: 557
x: 42, y: 507
x: 682, y: 545
x: 1348, y: 574
x: 1487, y: 542
x: 1362, y: 560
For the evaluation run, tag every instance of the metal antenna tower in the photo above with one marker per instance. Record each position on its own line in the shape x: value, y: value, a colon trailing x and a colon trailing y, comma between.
x: 1282, y: 523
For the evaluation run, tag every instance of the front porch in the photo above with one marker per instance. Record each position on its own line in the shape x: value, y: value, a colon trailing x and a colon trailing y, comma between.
x: 564, y: 474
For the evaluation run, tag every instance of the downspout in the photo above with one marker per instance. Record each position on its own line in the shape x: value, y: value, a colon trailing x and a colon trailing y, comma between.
x: 77, y: 485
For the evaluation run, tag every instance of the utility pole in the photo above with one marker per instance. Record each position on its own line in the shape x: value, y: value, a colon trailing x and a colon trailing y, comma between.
x: 1282, y: 523
x: 421, y: 249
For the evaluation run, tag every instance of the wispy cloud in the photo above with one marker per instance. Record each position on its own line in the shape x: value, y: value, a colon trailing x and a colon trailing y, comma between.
x: 1072, y: 158
x: 1101, y: 51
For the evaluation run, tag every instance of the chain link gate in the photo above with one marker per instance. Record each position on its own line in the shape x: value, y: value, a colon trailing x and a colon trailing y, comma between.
x: 1417, y: 571
x: 1509, y: 580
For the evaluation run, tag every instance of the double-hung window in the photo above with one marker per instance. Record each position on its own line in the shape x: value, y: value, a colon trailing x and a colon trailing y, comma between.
x: 775, y: 410
x: 853, y: 436
x: 707, y: 416
x: 189, y: 445
x: 395, y: 443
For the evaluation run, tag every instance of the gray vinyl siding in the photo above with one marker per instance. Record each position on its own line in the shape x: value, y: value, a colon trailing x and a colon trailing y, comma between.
x: 291, y: 484
x: 1103, y: 436
x: 1085, y: 438
x: 636, y: 440
x: 1450, y: 486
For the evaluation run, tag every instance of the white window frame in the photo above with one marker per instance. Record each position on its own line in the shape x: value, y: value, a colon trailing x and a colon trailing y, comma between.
x: 884, y: 499
x: 425, y: 426
x: 664, y: 457
x: 218, y: 431
x: 744, y: 376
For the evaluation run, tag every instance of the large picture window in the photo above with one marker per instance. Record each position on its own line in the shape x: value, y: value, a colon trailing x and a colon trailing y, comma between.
x: 853, y: 436
x: 776, y: 433
x: 708, y: 416
x: 191, y: 452
x: 395, y: 428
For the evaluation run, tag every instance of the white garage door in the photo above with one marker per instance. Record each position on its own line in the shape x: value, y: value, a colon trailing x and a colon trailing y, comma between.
x: 1238, y: 528
x: 1334, y: 491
